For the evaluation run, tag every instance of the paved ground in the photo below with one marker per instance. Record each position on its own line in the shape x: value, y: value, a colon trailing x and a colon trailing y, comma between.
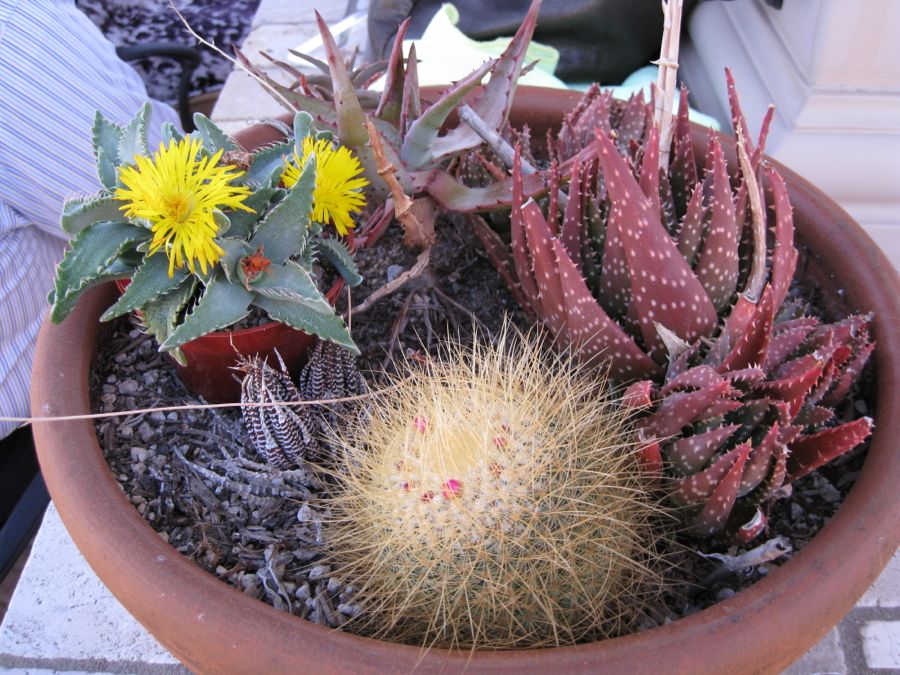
x: 62, y: 619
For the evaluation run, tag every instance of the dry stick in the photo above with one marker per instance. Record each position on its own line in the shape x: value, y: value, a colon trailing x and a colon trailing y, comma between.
x: 500, y: 146
x: 403, y: 209
x: 667, y: 76
x: 758, y: 269
x: 234, y: 62
x: 198, y: 406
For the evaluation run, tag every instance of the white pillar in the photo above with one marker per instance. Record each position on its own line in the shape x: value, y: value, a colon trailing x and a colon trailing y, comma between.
x: 832, y: 69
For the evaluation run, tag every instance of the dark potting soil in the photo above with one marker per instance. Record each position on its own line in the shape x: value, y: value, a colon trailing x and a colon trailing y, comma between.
x: 195, y: 477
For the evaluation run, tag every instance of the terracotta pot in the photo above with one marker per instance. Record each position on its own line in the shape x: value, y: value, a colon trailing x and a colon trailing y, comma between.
x: 211, y: 357
x: 214, y: 628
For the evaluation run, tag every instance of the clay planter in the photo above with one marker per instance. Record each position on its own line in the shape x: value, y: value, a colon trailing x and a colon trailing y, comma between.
x: 214, y: 628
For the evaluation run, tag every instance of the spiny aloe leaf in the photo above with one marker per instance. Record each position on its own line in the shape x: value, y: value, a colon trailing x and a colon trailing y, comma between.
x: 284, y: 231
x: 85, y: 262
x: 322, y: 111
x: 160, y: 316
x: 849, y: 375
x: 133, y: 140
x: 681, y: 408
x: 411, y: 106
x: 808, y: 453
x: 494, y: 103
x: 335, y: 252
x: 546, y: 273
x: 150, y: 281
x: 717, y: 264
x: 694, y: 378
x: 221, y: 305
x: 663, y: 287
x: 718, y: 506
x: 422, y: 147
x: 649, y: 177
x: 813, y: 416
x: 452, y: 195
x: 690, y: 234
x: 689, y: 455
x: 793, y: 379
x: 738, y: 121
x: 518, y: 241
x: 784, y: 255
x: 79, y: 212
x: 758, y: 464
x: 699, y: 487
x: 572, y: 228
x: 751, y: 346
x: 596, y: 335
x: 631, y: 126
x: 350, y: 117
x: 326, y: 325
x: 683, y: 166
x: 784, y: 343
x: 500, y: 256
x: 391, y: 103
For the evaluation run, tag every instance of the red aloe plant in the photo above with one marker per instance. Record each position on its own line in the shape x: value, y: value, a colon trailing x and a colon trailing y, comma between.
x: 731, y: 438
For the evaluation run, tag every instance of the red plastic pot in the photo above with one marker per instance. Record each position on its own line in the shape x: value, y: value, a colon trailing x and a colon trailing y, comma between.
x: 214, y: 628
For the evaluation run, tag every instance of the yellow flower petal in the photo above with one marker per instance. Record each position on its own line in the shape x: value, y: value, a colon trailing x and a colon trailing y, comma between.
x: 338, y: 192
x: 177, y: 192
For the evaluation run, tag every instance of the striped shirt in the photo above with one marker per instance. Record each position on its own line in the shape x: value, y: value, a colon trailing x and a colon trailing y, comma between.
x: 56, y: 70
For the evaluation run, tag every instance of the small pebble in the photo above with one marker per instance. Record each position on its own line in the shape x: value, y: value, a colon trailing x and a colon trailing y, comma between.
x: 305, y: 514
x: 150, y: 378
x: 333, y: 585
x: 139, y: 454
x: 129, y: 386
x: 796, y: 511
x: 112, y: 379
x: 303, y: 592
x: 125, y: 431
x: 394, y: 271
x: 723, y: 594
x: 108, y: 398
x: 158, y: 416
x: 172, y: 417
x: 319, y: 572
x: 221, y: 571
x: 146, y: 432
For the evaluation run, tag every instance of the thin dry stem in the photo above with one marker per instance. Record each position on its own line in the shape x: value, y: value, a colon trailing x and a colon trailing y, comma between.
x: 757, y: 278
x: 667, y: 77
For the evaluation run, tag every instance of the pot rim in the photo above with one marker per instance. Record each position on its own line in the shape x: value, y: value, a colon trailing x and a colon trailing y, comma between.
x: 799, y: 601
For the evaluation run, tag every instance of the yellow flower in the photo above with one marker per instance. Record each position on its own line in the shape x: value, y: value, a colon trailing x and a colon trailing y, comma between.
x: 338, y: 187
x: 177, y: 192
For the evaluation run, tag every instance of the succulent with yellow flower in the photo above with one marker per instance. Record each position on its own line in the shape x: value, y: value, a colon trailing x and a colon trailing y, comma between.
x: 232, y: 239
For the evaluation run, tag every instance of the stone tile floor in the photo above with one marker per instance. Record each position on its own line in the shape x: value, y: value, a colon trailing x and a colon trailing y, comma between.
x: 61, y: 619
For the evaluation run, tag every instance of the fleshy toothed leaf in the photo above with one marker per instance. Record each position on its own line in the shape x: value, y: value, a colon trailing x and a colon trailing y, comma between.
x: 689, y: 455
x: 697, y: 488
x: 350, y: 116
x: 79, y: 212
x: 221, y: 305
x: 284, y: 232
x: 326, y: 325
x: 214, y: 139
x: 91, y: 252
x: 134, y: 137
x: 242, y: 222
x: 106, y: 134
x: 303, y: 127
x: 160, y: 316
x: 150, y: 281
x: 690, y: 234
x: 717, y: 264
x: 494, y: 103
x: 389, y: 107
x: 293, y: 283
x: 235, y: 248
x: 784, y: 255
x: 663, y: 287
x: 808, y: 453
x: 421, y: 147
x: 590, y: 329
x: 335, y: 252
x: 267, y: 164
x: 106, y: 169
x: 717, y: 508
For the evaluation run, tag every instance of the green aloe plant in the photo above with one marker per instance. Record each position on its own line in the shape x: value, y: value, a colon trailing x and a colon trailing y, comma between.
x: 202, y: 241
